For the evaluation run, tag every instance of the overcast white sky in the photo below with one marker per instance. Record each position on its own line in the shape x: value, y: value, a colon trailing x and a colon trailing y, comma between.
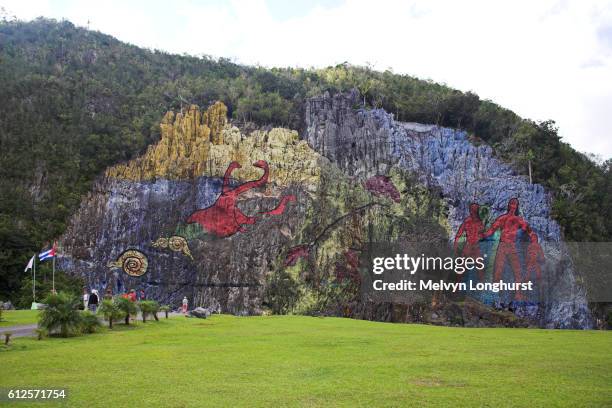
x: 543, y: 59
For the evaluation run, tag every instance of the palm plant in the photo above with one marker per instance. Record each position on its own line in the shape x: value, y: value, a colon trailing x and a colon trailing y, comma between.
x: 143, y: 305
x: 148, y: 307
x: 127, y: 308
x: 154, y: 309
x: 89, y: 322
x: 165, y: 309
x: 62, y: 312
x: 110, y: 311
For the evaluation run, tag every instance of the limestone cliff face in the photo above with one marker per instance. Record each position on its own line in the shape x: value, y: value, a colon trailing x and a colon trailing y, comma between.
x: 367, y: 143
x: 195, y: 144
x: 151, y: 198
x: 217, y: 213
x: 351, y: 138
x: 184, y: 147
x: 239, y: 222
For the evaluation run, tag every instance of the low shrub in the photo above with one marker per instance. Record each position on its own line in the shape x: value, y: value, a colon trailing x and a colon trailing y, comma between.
x: 61, y: 314
x: 165, y: 309
x: 127, y: 308
x: 110, y: 311
x: 89, y: 322
x: 148, y: 307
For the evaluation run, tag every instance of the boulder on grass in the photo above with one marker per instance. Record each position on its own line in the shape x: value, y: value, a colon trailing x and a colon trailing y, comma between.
x: 200, y: 313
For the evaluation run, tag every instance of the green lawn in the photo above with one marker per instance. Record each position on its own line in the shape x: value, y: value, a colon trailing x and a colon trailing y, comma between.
x: 14, y: 317
x: 304, y: 361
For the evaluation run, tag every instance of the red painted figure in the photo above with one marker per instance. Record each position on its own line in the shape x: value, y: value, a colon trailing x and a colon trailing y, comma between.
x: 224, y: 218
x: 509, y: 224
x: 535, y: 256
x: 472, y: 227
x: 295, y: 253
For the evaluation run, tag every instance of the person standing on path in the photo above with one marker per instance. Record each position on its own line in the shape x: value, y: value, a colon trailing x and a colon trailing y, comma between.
x: 85, y: 299
x: 185, y: 305
x: 93, y: 300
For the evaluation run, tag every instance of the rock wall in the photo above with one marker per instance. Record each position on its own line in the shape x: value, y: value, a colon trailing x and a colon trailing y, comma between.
x: 197, y: 143
x: 151, y: 198
x: 367, y: 143
x: 214, y: 214
x: 238, y: 222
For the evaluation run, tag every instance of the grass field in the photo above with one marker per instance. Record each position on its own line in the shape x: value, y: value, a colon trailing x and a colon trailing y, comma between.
x: 13, y: 317
x: 304, y: 361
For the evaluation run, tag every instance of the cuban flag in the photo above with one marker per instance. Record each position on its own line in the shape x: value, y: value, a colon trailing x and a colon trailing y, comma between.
x: 47, y: 254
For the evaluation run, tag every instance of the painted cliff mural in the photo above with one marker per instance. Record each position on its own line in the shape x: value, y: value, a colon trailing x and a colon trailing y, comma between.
x: 223, y: 218
x: 367, y: 143
x: 244, y: 222
x: 509, y: 250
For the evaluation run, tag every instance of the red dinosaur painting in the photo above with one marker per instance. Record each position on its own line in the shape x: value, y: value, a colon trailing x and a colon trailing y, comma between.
x: 224, y: 218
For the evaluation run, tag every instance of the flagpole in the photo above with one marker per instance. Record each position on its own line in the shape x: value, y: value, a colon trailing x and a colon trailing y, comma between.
x: 34, y: 279
x: 53, y: 284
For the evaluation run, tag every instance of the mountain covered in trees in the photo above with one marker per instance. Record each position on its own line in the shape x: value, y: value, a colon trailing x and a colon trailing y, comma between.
x: 74, y: 102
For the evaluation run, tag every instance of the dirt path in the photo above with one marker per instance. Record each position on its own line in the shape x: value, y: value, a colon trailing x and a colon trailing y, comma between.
x: 22, y: 330
x: 19, y: 330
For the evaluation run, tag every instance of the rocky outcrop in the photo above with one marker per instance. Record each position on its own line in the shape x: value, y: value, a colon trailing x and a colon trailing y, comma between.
x: 200, y: 313
x: 350, y: 137
x: 183, y: 150
x: 214, y: 214
x: 238, y: 221
x: 148, y: 200
x: 465, y: 313
x: 195, y: 144
x: 367, y: 143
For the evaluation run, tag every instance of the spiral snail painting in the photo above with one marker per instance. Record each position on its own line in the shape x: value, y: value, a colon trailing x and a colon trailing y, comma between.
x: 175, y: 243
x: 132, y: 261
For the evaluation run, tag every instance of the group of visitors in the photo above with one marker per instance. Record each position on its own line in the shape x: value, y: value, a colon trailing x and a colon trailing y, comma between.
x: 91, y: 300
x: 131, y: 295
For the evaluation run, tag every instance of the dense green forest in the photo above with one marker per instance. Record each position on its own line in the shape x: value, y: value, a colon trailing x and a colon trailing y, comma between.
x: 73, y: 102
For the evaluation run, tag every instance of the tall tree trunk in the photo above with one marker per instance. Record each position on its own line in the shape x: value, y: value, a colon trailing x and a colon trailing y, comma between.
x: 530, y: 178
